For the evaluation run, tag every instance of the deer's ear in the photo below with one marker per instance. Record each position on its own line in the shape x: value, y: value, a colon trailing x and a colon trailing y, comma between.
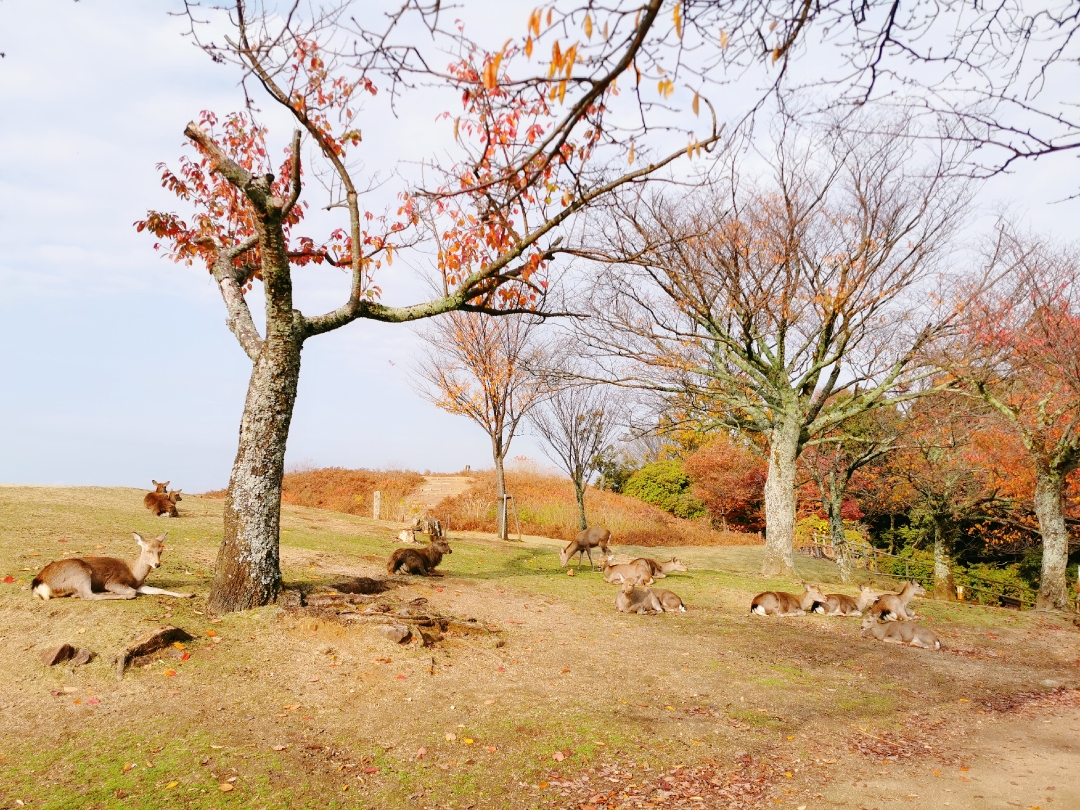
x: 139, y: 539
x: 161, y: 539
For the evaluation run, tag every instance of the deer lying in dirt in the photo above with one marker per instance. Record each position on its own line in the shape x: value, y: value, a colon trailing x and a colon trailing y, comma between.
x: 778, y: 603
x: 900, y: 633
x: 627, y: 573
x: 659, y: 570
x: 584, y: 543
x: 633, y: 600
x: 670, y: 600
x: 104, y: 577
x: 420, y: 561
x: 894, y: 606
x: 839, y: 604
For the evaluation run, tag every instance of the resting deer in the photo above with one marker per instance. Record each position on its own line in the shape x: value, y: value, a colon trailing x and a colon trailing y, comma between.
x: 584, y: 543
x: 104, y: 577
x: 659, y: 570
x: 900, y: 633
x: 421, y: 561
x: 894, y: 606
x: 839, y: 604
x: 669, y: 600
x: 151, y: 500
x: 778, y: 603
x: 632, y: 600
x: 627, y: 573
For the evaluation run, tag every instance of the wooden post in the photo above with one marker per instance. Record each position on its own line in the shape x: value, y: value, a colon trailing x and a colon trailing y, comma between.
x: 377, y: 497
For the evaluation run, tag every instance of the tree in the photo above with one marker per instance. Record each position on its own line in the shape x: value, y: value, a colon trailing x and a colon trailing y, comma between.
x: 729, y: 478
x: 835, y: 458
x: 1020, y: 352
x: 940, y: 467
x: 787, y: 307
x: 578, y: 423
x: 480, y: 367
x: 535, y: 150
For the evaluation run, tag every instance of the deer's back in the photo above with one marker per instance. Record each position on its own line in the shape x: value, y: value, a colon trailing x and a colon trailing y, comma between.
x: 591, y: 538
x: 63, y: 576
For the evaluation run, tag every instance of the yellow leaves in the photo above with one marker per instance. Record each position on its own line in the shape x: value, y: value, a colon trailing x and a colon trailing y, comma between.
x: 556, y: 59
x: 534, y: 23
x: 491, y: 75
x: 723, y: 40
x: 695, y: 105
x: 775, y: 54
x: 666, y: 87
x: 587, y: 26
x: 677, y: 17
x: 631, y: 158
x: 693, y: 149
x: 529, y: 47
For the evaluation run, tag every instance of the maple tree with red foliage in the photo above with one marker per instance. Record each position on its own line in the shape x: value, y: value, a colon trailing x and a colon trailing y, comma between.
x: 536, y: 148
x: 729, y: 478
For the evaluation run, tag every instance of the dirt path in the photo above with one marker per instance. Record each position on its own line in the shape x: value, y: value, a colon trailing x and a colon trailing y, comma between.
x: 438, y: 487
x: 1026, y: 761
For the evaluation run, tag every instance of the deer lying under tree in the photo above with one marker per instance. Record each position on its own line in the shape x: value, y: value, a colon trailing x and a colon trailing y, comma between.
x: 104, y: 577
x: 894, y: 606
x: 779, y: 603
x: 907, y: 633
x: 584, y: 543
x: 839, y: 604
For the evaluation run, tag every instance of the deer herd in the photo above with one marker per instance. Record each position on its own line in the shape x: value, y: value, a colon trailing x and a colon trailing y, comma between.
x: 888, y: 616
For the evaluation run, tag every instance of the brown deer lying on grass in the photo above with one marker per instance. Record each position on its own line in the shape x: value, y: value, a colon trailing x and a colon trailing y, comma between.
x: 670, y: 600
x: 894, y: 606
x: 778, y: 603
x: 421, y: 561
x: 104, y: 577
x: 659, y: 570
x: 627, y: 572
x: 633, y: 600
x: 162, y: 502
x: 584, y: 543
x: 839, y: 604
x: 907, y: 633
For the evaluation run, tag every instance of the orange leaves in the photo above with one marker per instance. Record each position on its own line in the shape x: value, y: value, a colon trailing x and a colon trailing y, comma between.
x: 534, y: 22
x: 587, y: 26
x: 665, y: 87
x: 677, y: 19
x: 695, y: 105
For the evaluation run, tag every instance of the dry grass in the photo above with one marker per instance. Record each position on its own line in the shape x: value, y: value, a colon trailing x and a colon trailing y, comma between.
x: 348, y: 491
x: 295, y: 708
x: 546, y: 506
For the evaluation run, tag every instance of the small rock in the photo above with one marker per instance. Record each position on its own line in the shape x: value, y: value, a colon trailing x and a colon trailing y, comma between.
x: 397, y: 633
x: 57, y: 655
x: 1050, y: 683
x: 82, y: 656
x: 403, y: 612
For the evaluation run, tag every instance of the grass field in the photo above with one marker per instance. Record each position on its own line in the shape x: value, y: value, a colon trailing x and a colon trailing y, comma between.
x: 557, y: 701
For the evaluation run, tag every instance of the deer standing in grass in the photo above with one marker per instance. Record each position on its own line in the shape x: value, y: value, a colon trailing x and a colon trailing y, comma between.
x: 584, y: 543
x: 894, y: 606
x: 104, y: 577
x: 779, y: 603
x: 907, y: 633
x: 839, y: 604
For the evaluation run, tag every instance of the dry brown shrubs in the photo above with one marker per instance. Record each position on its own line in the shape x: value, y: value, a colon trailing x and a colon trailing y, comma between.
x: 546, y: 506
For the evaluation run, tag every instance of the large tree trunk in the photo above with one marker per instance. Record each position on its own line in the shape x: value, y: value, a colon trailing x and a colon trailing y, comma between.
x: 247, y: 573
x: 501, y: 517
x: 780, y: 500
x: 944, y: 586
x: 1053, y: 586
x: 579, y: 488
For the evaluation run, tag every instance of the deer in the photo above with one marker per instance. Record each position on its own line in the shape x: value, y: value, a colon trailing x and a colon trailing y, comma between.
x: 894, y: 606
x: 670, y: 600
x: 151, y: 500
x: 839, y: 604
x: 632, y: 600
x: 420, y: 561
x: 778, y: 603
x: 907, y: 633
x: 627, y: 572
x: 104, y: 577
x: 584, y: 543
x: 659, y: 570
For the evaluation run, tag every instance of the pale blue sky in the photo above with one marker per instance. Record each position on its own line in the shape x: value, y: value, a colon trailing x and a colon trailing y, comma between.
x: 115, y: 364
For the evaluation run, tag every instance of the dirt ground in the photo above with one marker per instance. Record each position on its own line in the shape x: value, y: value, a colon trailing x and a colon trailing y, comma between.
x: 539, y: 696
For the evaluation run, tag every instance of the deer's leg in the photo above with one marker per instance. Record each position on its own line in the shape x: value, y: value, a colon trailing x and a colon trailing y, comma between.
x: 85, y: 592
x: 592, y: 565
x: 149, y: 590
